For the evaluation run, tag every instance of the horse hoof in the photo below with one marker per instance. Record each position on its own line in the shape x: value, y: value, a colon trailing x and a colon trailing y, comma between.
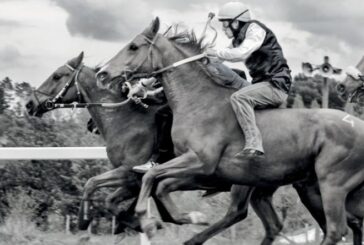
x: 150, y: 227
x: 83, y: 225
x: 192, y: 242
x: 198, y: 218
x: 82, y: 222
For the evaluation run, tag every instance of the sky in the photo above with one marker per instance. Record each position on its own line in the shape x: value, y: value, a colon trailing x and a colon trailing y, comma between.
x: 37, y: 36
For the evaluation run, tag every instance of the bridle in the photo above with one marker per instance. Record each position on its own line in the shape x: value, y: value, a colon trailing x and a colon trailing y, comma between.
x: 130, y: 75
x: 355, y: 95
x: 357, y: 92
x: 51, y: 103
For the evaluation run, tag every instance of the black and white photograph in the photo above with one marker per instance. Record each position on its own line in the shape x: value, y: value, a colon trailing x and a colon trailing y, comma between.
x: 217, y: 122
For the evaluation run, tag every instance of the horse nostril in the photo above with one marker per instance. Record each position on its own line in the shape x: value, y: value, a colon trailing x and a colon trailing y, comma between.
x: 341, y: 88
x: 29, y: 105
x: 102, y: 76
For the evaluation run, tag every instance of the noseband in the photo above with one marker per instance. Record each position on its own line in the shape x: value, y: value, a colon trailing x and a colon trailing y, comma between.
x: 51, y: 103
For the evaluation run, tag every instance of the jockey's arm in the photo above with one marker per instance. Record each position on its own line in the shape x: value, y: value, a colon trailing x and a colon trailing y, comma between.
x: 254, y: 39
x: 146, y: 89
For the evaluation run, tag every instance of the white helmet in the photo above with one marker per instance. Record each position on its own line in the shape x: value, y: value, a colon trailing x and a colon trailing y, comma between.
x: 234, y: 11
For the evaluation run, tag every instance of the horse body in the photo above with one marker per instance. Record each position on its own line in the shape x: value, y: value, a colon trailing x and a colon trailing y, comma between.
x: 207, y: 137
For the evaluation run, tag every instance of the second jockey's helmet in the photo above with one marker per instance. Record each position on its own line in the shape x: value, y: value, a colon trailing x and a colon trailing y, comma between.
x: 234, y: 11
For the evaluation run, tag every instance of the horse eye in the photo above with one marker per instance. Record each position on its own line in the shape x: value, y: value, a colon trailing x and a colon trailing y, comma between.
x: 56, y: 76
x: 133, y: 47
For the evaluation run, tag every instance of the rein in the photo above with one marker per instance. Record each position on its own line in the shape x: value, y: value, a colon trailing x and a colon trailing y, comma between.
x: 154, y: 73
x: 52, y: 103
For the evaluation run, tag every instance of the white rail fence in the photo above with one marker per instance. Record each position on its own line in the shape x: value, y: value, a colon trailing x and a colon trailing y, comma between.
x: 58, y: 153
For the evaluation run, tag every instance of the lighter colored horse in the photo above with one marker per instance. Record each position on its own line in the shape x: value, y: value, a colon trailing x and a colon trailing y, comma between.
x: 207, y: 137
x: 261, y: 197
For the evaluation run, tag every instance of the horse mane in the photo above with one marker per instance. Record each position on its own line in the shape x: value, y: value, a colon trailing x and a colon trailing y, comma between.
x: 97, y: 67
x: 187, y: 39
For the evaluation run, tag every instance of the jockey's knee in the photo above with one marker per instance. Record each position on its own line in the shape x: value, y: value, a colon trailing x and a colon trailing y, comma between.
x: 238, y: 98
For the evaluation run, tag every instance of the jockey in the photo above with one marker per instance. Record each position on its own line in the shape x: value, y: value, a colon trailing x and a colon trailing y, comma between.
x: 256, y: 45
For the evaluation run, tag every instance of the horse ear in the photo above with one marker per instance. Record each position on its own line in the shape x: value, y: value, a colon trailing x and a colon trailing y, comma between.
x: 153, y: 28
x: 75, y: 62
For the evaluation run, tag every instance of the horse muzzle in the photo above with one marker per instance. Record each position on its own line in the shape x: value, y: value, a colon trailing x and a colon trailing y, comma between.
x: 341, y: 88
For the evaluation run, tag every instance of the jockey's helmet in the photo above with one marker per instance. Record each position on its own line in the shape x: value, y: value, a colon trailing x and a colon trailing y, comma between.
x: 232, y: 11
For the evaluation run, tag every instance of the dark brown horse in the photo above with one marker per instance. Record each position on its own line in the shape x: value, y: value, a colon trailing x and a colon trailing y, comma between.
x: 129, y: 132
x: 207, y: 137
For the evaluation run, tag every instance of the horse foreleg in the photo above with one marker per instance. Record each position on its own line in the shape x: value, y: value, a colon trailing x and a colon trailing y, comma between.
x: 114, y: 178
x: 238, y: 210
x: 187, y: 164
x: 261, y: 202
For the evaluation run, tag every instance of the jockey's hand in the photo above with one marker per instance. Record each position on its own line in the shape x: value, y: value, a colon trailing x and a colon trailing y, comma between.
x: 211, y: 52
x: 138, y: 90
x: 148, y: 83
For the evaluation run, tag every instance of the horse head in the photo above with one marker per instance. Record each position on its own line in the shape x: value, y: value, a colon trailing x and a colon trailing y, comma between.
x: 58, y: 87
x: 72, y: 83
x: 352, y: 88
x: 138, y: 56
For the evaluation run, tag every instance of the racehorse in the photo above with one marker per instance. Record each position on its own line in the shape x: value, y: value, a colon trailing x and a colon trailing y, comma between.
x: 261, y: 198
x: 207, y: 137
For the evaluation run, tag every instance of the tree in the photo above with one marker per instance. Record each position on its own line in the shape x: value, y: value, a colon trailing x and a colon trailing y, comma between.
x: 7, y: 83
x: 3, y: 103
x: 309, y: 88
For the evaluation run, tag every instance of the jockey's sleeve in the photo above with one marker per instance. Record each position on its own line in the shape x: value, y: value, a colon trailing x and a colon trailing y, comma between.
x: 254, y: 39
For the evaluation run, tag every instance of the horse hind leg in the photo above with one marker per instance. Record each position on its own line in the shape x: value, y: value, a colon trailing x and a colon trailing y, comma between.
x: 334, y: 190
x: 310, y: 196
x: 238, y: 210
x: 169, y: 210
x: 309, y: 193
x: 261, y: 202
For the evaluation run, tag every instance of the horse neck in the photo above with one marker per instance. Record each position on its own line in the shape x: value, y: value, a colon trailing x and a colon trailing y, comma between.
x: 116, y: 124
x: 189, y: 82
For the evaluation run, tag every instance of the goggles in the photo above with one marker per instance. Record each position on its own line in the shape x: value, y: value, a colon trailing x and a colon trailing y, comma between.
x: 225, y: 24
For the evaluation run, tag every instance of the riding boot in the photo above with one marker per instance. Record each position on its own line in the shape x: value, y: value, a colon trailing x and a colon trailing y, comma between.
x: 164, y: 120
